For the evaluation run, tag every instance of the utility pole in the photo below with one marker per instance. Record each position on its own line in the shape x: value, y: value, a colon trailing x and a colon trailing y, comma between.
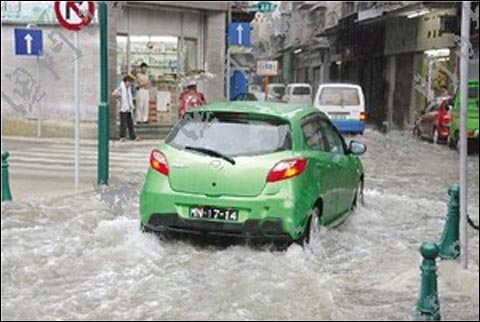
x: 103, y: 108
x: 464, y: 59
x: 229, y: 20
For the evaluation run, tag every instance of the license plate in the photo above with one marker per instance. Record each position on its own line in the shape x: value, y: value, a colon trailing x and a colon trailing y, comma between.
x: 339, y: 117
x: 214, y: 213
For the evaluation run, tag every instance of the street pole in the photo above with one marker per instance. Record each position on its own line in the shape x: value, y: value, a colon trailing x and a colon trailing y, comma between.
x: 39, y: 104
x: 266, y: 80
x: 464, y: 58
x: 39, y: 116
x: 77, y: 114
x: 228, y: 74
x: 429, y: 79
x: 103, y: 109
x: 228, y: 51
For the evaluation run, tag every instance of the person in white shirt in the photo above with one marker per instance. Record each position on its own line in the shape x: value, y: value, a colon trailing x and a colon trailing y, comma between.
x: 123, y: 94
x: 143, y: 95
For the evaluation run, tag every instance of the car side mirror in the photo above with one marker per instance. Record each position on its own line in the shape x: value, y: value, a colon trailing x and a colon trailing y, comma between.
x: 357, y: 148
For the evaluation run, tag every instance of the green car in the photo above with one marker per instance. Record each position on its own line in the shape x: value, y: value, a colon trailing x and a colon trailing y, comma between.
x: 472, y: 118
x: 258, y: 171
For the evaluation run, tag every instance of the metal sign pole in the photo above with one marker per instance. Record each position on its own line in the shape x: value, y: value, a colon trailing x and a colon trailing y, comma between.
x: 228, y: 74
x: 77, y: 115
x: 228, y: 53
x: 266, y: 80
x: 464, y: 58
x: 39, y: 111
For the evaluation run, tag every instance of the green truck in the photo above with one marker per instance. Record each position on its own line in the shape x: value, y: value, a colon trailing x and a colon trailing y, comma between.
x: 472, y: 131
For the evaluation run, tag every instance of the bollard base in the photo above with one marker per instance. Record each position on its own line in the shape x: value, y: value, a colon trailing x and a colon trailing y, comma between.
x: 424, y: 316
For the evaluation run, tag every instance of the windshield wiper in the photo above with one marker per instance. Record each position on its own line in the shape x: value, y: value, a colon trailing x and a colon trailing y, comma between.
x: 212, y: 153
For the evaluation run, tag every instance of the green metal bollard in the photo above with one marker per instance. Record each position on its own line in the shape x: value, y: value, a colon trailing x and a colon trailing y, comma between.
x: 450, y: 244
x: 6, y: 194
x: 428, y: 306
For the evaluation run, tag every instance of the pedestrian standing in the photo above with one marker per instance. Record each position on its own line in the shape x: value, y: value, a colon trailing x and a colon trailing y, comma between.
x: 191, y: 98
x: 143, y: 95
x: 123, y: 94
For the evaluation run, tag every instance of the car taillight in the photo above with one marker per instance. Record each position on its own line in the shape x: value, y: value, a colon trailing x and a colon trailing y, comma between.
x: 287, y: 169
x: 363, y: 116
x: 158, y: 162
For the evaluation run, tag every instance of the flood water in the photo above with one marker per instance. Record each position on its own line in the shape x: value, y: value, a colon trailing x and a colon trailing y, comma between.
x: 84, y: 257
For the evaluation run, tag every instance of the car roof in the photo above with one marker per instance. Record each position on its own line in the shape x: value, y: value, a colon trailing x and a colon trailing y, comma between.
x: 300, y: 85
x: 290, y: 112
x: 341, y: 85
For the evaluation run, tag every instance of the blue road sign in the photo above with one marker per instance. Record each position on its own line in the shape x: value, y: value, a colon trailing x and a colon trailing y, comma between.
x: 28, y: 42
x: 239, y: 34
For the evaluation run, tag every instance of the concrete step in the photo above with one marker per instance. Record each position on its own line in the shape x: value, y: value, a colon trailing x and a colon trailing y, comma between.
x: 152, y: 131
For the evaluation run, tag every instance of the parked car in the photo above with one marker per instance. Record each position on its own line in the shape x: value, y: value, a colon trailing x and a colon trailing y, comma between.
x: 434, y: 122
x: 344, y: 104
x: 275, y: 91
x: 250, y: 96
x: 259, y: 171
x: 298, y: 93
x: 472, y: 132
x: 254, y: 88
x: 246, y: 97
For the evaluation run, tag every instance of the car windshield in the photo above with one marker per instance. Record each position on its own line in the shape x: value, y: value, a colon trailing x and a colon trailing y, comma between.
x: 303, y: 90
x: 232, y: 134
x: 278, y: 90
x: 339, y: 96
x: 245, y: 97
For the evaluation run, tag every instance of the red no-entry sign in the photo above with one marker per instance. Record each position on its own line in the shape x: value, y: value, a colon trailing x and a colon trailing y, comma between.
x: 74, y: 15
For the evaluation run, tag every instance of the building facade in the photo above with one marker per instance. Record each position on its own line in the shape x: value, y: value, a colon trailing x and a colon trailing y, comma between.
x: 400, y: 52
x: 178, y: 40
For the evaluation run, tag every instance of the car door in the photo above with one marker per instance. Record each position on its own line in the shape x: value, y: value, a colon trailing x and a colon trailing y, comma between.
x: 346, y: 178
x: 321, y: 165
x: 427, y: 123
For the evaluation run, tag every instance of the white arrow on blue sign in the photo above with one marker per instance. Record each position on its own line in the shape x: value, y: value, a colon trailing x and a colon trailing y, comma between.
x: 28, y: 42
x: 239, y: 34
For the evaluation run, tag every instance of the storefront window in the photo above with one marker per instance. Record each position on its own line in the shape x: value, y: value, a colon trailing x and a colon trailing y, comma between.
x: 190, y: 55
x: 160, y: 53
x: 122, y: 58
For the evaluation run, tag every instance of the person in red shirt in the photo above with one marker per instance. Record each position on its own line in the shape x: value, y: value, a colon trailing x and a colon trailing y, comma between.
x: 191, y: 98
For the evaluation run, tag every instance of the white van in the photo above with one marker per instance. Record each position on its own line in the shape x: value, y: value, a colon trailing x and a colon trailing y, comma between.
x: 344, y: 104
x: 275, y: 92
x: 298, y: 93
x: 254, y: 88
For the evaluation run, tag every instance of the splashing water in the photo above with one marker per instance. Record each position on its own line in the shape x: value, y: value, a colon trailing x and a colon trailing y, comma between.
x: 85, y: 258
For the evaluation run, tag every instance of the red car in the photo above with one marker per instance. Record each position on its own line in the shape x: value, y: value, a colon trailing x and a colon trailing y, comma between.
x: 434, y: 123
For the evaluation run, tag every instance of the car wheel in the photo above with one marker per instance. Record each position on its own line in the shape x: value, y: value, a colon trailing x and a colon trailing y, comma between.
x: 436, y: 137
x: 359, y: 195
x: 144, y: 229
x: 312, y: 231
